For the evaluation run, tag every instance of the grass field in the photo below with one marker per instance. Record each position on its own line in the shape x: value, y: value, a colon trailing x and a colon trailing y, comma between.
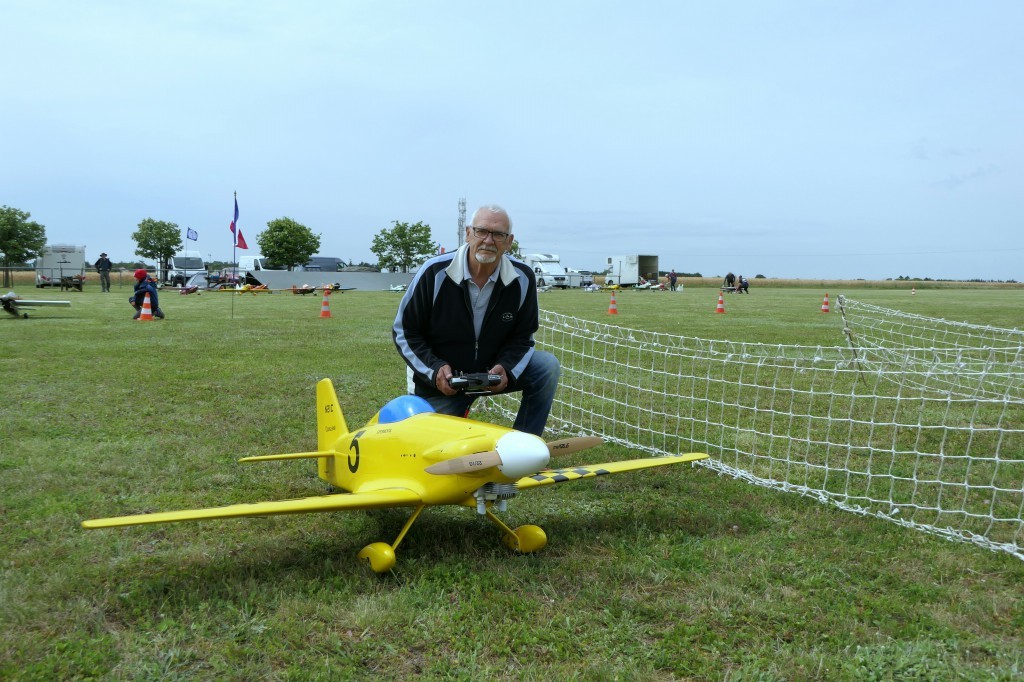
x: 674, y: 573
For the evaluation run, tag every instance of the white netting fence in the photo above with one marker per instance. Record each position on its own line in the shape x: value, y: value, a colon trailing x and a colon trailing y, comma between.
x: 919, y: 421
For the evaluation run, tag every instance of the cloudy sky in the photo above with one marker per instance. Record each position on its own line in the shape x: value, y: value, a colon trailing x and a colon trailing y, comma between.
x: 813, y: 139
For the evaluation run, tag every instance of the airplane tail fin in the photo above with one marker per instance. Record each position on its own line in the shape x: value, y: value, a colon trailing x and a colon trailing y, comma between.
x: 330, y: 422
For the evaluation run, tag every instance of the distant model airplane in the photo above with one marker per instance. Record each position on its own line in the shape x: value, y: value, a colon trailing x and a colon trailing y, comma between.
x: 397, y: 287
x: 410, y: 456
x: 13, y: 305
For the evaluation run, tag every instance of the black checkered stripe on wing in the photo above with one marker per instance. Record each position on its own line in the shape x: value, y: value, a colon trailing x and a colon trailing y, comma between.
x: 562, y: 475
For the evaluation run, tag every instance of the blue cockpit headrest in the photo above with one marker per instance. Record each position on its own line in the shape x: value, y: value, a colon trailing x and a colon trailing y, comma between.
x: 403, y: 407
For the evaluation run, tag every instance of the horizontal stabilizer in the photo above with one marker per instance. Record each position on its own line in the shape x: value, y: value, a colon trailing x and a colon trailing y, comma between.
x: 291, y: 455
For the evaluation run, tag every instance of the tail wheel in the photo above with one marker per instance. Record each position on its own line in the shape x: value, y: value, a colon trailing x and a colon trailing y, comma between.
x: 526, y: 539
x: 380, y: 555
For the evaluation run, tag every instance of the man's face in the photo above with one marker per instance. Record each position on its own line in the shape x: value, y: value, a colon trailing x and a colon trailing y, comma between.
x: 486, y: 249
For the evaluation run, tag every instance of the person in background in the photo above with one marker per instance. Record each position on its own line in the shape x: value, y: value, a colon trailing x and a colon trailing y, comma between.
x: 730, y: 282
x: 145, y: 284
x: 103, y: 266
x: 475, y: 310
x: 672, y: 277
x: 742, y: 286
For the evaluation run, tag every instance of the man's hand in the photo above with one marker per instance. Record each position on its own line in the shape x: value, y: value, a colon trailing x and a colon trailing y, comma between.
x: 443, y: 380
x: 500, y: 371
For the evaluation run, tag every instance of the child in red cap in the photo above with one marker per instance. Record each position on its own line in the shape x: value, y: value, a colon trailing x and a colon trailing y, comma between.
x: 145, y: 284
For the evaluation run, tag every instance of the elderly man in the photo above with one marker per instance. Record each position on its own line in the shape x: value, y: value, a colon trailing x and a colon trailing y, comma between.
x: 474, y: 310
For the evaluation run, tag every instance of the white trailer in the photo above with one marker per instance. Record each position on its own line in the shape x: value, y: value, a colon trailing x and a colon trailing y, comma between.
x: 627, y: 271
x: 57, y: 261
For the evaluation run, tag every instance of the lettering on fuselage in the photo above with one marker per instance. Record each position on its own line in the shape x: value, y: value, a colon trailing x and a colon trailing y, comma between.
x: 407, y: 454
x: 354, y: 445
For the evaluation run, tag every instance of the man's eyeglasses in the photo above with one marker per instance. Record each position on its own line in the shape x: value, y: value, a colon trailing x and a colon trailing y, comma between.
x: 482, y: 232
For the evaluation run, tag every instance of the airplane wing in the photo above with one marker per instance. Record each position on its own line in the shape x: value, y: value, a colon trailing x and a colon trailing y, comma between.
x: 548, y: 476
x: 25, y: 303
x: 390, y: 497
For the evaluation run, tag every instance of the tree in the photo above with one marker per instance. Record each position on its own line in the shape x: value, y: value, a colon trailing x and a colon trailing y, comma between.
x: 157, y: 239
x: 403, y: 246
x: 287, y: 243
x: 21, y: 239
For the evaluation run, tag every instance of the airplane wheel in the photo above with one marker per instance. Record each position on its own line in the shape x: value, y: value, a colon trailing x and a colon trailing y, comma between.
x: 526, y: 539
x: 380, y: 555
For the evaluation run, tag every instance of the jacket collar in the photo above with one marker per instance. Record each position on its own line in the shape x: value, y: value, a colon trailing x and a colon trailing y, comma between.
x: 458, y: 270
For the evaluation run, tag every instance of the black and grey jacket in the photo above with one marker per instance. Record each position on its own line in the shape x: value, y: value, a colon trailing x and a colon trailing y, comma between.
x: 434, y: 324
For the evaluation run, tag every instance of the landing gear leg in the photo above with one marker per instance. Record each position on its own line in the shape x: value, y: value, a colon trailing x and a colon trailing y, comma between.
x: 524, y: 539
x: 381, y: 555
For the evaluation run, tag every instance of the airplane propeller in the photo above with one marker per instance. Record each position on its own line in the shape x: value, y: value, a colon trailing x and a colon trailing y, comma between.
x: 567, y: 446
x: 517, y: 454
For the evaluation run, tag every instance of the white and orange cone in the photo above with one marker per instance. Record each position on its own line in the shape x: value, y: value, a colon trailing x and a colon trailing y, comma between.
x: 720, y: 308
x: 613, y: 308
x: 824, y: 304
x: 325, y: 307
x: 146, y: 314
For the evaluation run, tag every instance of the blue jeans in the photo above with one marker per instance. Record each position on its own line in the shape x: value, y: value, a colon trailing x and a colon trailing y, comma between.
x: 538, y: 384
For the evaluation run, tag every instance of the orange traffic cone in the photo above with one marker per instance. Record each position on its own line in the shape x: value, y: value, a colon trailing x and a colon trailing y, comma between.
x: 721, y: 305
x: 325, y: 307
x: 146, y: 314
x: 613, y: 308
x: 824, y: 304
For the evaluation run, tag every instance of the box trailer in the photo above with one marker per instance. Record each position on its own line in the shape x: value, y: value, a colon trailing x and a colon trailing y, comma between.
x: 57, y: 261
x: 627, y: 271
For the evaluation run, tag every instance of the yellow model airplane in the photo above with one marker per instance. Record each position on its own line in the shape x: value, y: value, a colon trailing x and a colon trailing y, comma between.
x: 410, y: 456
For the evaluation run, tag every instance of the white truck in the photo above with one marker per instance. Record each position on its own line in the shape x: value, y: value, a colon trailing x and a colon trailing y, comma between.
x: 548, y: 270
x: 57, y: 261
x: 258, y: 263
x: 181, y: 267
x: 627, y: 271
x: 253, y: 264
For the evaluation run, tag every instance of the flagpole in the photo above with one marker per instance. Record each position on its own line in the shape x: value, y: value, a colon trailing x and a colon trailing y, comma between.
x: 234, y: 257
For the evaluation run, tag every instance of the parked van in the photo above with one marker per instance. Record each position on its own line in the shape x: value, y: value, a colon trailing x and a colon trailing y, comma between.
x: 59, y: 260
x: 182, y: 266
x: 324, y: 264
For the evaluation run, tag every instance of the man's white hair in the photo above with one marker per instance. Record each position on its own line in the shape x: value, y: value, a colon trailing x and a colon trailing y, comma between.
x: 492, y: 208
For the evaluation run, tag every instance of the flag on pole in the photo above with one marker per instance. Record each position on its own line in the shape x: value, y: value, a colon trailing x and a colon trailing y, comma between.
x: 193, y: 235
x: 237, y: 231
